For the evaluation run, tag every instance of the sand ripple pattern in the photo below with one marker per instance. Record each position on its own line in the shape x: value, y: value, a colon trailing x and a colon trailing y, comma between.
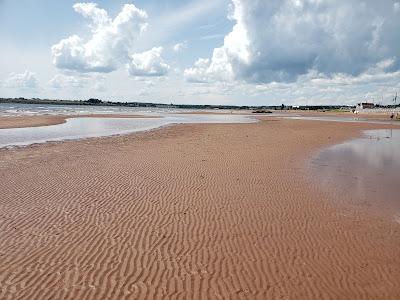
x: 187, y: 212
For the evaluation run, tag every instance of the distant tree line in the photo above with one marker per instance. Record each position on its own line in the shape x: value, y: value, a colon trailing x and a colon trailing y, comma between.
x: 98, y: 102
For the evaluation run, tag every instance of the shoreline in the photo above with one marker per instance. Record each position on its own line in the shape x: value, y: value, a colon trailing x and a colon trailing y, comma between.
x: 84, y: 139
x: 181, y: 210
x: 11, y: 122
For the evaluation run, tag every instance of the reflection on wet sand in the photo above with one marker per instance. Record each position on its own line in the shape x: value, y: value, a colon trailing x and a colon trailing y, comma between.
x: 365, y: 170
x: 78, y: 128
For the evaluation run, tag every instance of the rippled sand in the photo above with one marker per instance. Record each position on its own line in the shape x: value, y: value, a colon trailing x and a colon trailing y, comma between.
x: 222, y: 211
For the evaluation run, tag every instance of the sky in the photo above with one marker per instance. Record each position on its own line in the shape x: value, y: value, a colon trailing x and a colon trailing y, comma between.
x: 238, y: 52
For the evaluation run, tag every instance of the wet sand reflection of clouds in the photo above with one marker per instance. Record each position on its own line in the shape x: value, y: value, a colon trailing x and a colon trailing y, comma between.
x: 364, y: 171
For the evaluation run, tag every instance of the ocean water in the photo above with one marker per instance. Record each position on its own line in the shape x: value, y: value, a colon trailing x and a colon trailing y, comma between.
x: 17, y: 109
x: 365, y: 170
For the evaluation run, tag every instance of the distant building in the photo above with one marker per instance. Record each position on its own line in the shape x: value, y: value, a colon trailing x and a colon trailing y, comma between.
x: 365, y: 105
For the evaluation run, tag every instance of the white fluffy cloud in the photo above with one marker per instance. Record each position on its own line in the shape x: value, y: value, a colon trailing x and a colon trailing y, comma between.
x: 377, y: 84
x: 180, y: 46
x: 110, y: 45
x: 206, y: 70
x: 61, y: 81
x: 72, y: 80
x: 148, y: 63
x: 26, y: 80
x: 279, y: 40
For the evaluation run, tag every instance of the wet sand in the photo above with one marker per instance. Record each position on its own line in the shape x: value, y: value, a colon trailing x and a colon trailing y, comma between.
x: 224, y: 211
x: 384, y: 116
x: 46, y: 120
x: 37, y: 121
x: 366, y: 169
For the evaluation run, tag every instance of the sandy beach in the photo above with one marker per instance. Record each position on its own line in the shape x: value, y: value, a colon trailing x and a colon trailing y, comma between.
x: 202, y: 211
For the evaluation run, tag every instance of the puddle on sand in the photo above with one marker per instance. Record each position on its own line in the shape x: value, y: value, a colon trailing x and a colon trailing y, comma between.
x: 364, y: 171
x: 78, y: 128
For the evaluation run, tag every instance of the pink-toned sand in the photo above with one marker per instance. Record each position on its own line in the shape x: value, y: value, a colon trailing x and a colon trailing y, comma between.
x: 222, y: 211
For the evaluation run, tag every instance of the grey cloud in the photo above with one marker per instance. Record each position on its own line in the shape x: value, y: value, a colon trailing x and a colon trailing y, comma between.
x: 279, y: 40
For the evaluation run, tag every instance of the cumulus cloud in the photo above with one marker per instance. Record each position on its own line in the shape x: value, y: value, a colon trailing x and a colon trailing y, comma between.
x: 25, y: 80
x: 206, y: 70
x: 111, y: 42
x: 318, y: 88
x: 280, y: 40
x: 148, y: 63
x: 60, y: 81
x: 378, y: 84
x: 77, y: 81
x: 180, y: 46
